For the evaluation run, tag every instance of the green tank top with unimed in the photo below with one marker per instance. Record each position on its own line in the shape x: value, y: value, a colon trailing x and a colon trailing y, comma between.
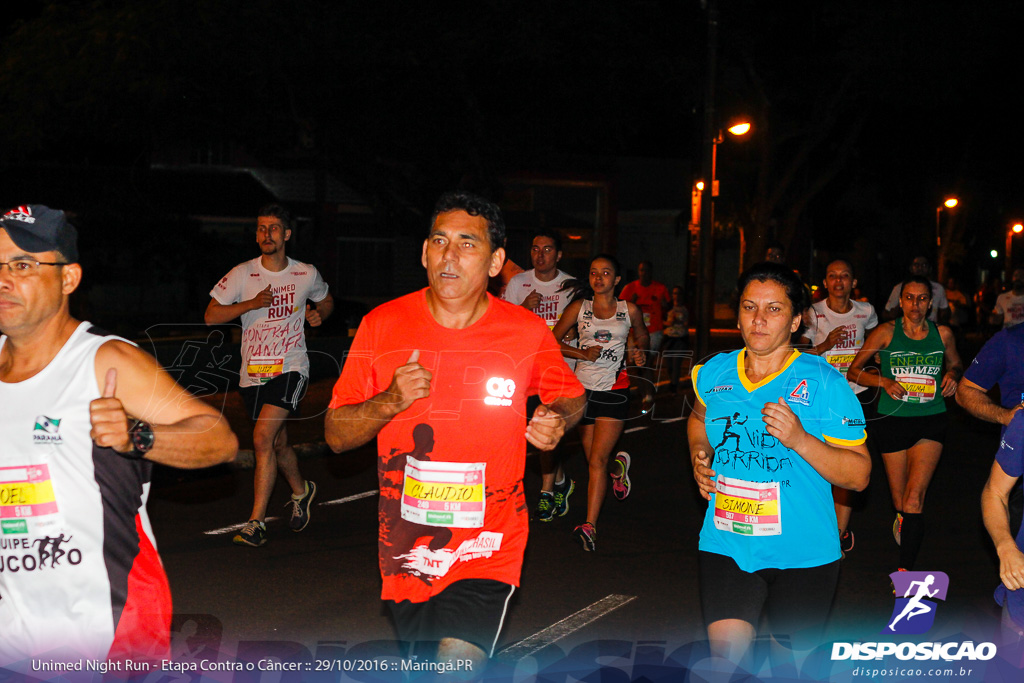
x: 917, y: 366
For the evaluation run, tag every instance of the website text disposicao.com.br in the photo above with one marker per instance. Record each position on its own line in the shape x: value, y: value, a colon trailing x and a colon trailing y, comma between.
x: 905, y: 672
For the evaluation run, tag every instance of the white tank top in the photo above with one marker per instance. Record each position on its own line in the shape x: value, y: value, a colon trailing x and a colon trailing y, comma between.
x: 610, y: 334
x: 73, y: 521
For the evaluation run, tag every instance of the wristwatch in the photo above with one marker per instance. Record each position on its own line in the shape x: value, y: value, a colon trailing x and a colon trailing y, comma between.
x: 141, y: 437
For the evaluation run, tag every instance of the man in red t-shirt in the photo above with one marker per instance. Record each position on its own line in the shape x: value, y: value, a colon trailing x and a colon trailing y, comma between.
x: 652, y: 298
x: 441, y: 377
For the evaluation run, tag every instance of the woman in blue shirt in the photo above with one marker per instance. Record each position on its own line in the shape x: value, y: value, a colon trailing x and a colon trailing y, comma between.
x: 773, y: 429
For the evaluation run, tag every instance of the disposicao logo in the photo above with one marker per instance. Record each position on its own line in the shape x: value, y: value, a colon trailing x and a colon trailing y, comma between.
x: 915, y: 611
x: 916, y: 597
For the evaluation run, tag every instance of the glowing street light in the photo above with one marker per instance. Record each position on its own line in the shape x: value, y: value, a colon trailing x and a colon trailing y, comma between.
x: 948, y: 204
x: 739, y: 129
x: 705, y: 280
x: 1016, y: 229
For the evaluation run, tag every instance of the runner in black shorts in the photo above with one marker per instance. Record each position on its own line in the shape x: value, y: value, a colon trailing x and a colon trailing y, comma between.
x: 604, y: 324
x: 920, y: 368
x: 274, y: 296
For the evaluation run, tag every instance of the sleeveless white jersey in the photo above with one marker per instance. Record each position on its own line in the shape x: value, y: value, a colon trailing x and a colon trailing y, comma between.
x: 79, y: 572
x: 611, y: 335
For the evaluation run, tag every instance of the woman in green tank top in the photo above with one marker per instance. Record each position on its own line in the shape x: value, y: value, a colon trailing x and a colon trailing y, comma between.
x: 919, y: 369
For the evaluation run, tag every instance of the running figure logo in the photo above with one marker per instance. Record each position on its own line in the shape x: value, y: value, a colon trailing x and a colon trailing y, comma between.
x: 728, y: 433
x: 914, y: 612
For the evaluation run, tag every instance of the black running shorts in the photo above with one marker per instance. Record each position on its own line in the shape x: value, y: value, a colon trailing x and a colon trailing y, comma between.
x: 796, y: 601
x: 894, y: 433
x: 471, y: 610
x: 613, y: 404
x: 284, y: 391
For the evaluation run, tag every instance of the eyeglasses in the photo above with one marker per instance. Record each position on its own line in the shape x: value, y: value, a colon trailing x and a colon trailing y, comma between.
x: 23, y: 267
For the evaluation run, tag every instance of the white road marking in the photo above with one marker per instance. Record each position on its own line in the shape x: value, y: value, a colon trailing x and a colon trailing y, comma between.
x: 234, y: 527
x: 336, y: 501
x: 349, y: 499
x: 552, y: 634
x: 640, y: 428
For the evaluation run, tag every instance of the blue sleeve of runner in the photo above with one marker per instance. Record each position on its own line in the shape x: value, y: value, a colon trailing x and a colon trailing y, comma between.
x: 987, y: 369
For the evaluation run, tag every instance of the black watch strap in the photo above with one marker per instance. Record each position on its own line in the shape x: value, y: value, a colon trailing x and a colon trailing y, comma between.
x: 141, y: 437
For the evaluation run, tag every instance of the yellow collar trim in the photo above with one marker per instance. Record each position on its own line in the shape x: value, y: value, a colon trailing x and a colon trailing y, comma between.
x: 742, y: 372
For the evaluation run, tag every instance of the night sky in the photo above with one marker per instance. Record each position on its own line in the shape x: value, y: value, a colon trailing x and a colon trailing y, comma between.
x: 866, y: 114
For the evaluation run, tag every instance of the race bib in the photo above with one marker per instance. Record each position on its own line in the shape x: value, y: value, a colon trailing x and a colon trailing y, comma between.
x: 647, y: 319
x: 840, y: 361
x: 920, y: 388
x: 447, y: 494
x: 747, y: 508
x: 27, y: 502
x: 264, y: 369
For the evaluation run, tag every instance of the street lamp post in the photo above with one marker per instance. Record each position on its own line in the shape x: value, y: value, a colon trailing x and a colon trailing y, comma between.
x: 705, y: 262
x: 1015, y: 230
x: 948, y: 204
x: 706, y: 282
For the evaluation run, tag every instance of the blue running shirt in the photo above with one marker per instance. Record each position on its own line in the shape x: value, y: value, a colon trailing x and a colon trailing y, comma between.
x: 772, y: 509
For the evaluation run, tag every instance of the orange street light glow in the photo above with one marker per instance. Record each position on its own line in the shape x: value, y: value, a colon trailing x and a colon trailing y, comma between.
x: 740, y: 128
x: 951, y: 202
x: 700, y: 185
x: 1018, y: 228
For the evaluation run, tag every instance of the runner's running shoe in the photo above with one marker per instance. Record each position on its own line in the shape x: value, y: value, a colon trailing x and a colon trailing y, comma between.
x: 646, y: 404
x: 562, y: 497
x: 254, y: 533
x: 545, y: 507
x: 300, y: 507
x: 586, y: 534
x: 620, y: 475
x: 897, y: 527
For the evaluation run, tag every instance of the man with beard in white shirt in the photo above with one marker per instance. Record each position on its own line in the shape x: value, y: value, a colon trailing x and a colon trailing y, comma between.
x: 271, y: 294
x: 540, y: 290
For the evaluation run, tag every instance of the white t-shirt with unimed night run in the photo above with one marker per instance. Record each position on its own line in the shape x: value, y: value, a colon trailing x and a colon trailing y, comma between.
x: 821, y: 320
x: 552, y: 302
x: 1011, y: 307
x: 273, y: 338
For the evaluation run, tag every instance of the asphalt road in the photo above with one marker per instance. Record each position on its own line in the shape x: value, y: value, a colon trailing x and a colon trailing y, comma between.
x: 631, y: 609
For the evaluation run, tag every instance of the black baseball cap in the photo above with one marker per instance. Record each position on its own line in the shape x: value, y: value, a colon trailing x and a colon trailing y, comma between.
x: 36, y: 228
